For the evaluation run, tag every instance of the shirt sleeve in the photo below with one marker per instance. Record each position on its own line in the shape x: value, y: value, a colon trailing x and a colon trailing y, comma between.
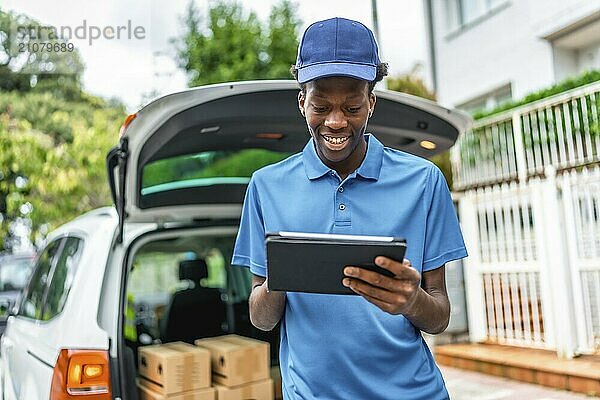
x: 249, y: 250
x: 443, y: 237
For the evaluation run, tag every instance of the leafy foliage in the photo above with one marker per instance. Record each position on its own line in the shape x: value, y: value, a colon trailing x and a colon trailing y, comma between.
x: 563, y: 86
x: 411, y: 83
x: 232, y: 44
x: 282, y: 42
x: 52, y: 159
x: 46, y: 113
x: 53, y: 136
x: 23, y: 69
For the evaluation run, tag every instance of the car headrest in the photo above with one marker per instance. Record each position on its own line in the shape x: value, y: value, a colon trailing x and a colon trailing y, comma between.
x: 193, y: 270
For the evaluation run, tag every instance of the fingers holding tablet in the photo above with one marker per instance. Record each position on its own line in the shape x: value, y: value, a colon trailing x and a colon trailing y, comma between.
x: 392, y: 294
x: 400, y: 270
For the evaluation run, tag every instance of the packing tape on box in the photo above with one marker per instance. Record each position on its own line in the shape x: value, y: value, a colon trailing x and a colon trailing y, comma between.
x: 189, y: 396
x: 247, y: 370
x: 247, y: 392
x: 188, y: 365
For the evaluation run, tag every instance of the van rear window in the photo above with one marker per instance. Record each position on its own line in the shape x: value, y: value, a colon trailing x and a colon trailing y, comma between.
x: 207, y: 168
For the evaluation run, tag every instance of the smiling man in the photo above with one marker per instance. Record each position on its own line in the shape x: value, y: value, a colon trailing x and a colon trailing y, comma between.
x: 336, y: 111
x: 345, y: 181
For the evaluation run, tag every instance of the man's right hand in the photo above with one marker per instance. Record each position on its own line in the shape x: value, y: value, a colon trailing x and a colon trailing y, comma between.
x: 266, y: 308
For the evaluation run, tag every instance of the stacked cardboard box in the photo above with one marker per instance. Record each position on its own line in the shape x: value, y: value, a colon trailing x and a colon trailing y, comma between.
x: 175, y: 371
x: 240, y: 367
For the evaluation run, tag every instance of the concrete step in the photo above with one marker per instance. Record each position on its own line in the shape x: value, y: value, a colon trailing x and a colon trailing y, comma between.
x: 581, y: 374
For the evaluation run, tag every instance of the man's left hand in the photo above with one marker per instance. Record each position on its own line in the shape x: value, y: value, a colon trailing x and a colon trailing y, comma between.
x: 394, y: 295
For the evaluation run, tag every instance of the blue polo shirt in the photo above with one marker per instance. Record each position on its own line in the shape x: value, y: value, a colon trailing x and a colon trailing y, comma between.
x: 340, y: 346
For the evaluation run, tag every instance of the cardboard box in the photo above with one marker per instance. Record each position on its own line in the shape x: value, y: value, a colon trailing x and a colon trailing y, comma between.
x: 237, y: 360
x: 276, y: 377
x: 175, y: 367
x: 151, y: 391
x: 261, y: 390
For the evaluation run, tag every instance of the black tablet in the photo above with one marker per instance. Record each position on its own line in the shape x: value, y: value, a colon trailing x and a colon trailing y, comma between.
x: 314, y: 262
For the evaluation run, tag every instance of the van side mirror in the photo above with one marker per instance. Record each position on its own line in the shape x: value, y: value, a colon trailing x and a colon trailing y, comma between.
x: 7, y: 307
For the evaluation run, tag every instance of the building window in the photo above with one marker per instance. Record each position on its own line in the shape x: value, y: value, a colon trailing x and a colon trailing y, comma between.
x: 488, y: 100
x: 464, y: 12
x: 573, y: 56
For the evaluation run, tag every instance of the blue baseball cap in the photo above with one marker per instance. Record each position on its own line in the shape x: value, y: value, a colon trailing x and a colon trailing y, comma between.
x: 337, y: 47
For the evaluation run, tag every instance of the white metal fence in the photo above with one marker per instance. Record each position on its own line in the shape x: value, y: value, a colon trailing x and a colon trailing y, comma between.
x: 581, y: 200
x: 530, y: 209
x: 562, y: 131
x: 506, y: 287
x: 513, y: 308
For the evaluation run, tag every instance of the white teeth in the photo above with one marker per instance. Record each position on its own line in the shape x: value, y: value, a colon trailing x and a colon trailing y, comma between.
x: 335, y: 140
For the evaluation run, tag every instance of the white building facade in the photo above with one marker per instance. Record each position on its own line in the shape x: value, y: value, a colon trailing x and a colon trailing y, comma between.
x: 483, y: 52
x: 527, y: 180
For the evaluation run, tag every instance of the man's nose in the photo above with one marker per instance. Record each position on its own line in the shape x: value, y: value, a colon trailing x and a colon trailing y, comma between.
x: 336, y: 120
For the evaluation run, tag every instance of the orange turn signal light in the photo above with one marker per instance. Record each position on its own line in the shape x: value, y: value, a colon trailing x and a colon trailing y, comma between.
x: 92, y: 371
x: 81, y: 374
x: 125, y: 125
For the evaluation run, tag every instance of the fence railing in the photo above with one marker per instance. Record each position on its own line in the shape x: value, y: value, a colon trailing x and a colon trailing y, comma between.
x: 581, y: 198
x: 506, y: 228
x: 507, y: 288
x: 533, y: 272
x: 562, y: 131
x: 513, y: 306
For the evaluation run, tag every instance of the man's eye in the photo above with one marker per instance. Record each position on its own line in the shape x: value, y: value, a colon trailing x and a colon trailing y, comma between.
x: 319, y: 109
x: 353, y: 110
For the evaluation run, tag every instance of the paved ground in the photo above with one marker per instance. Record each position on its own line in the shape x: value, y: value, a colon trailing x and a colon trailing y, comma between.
x: 470, y: 385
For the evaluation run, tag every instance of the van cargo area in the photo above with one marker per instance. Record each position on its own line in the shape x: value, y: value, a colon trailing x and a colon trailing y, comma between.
x: 181, y: 287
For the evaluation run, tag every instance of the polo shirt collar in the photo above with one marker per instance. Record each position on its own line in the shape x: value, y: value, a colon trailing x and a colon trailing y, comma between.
x: 371, y: 165
x: 369, y: 168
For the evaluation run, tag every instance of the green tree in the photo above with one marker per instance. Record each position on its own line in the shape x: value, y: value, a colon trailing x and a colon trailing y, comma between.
x: 46, y: 176
x: 282, y: 40
x: 412, y: 83
x: 230, y: 51
x: 53, y: 136
x: 231, y: 44
x: 25, y: 66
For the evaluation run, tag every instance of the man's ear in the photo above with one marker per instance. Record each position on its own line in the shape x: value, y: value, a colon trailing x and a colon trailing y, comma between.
x: 301, y: 99
x: 372, y: 101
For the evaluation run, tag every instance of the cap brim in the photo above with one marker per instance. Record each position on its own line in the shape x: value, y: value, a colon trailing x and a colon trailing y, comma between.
x: 317, y: 71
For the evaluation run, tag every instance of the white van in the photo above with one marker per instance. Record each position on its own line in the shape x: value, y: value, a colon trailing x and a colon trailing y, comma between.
x: 156, y: 267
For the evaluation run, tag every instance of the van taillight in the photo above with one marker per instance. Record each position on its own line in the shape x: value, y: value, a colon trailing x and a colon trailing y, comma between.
x: 81, y: 374
x: 125, y: 125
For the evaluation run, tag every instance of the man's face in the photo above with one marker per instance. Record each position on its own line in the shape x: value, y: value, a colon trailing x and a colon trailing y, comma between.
x: 337, y: 110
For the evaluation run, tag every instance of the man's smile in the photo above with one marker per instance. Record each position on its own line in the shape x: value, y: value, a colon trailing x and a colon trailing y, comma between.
x: 335, y: 140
